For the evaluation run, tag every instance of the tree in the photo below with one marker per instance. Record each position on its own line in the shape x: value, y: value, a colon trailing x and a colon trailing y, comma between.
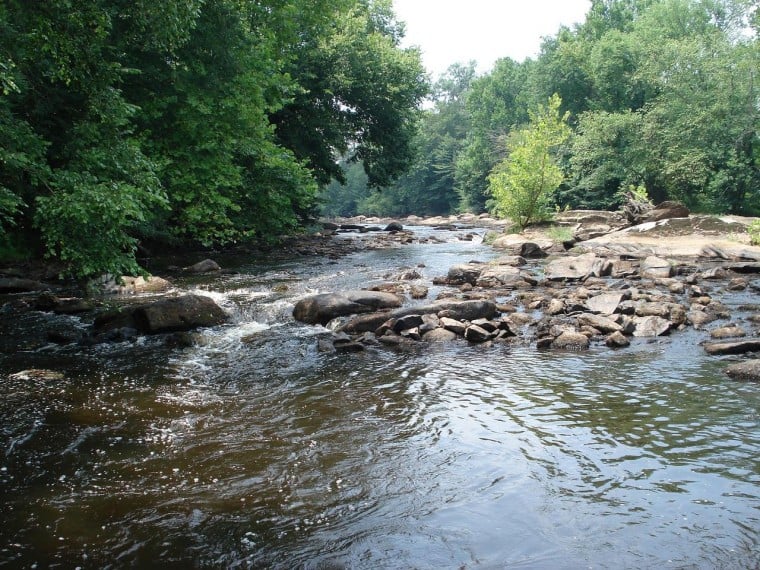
x: 522, y: 184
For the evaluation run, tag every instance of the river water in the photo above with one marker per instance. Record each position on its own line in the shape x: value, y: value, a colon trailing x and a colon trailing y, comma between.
x: 254, y: 450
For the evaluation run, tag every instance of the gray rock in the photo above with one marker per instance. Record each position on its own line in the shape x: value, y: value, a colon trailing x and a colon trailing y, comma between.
x: 736, y: 347
x: 464, y: 273
x: 407, y: 322
x: 394, y: 227
x: 656, y: 268
x: 365, y: 323
x: 728, y: 332
x: 178, y: 314
x: 617, y: 340
x: 499, y: 275
x: 205, y: 266
x: 570, y: 340
x: 439, y: 335
x: 474, y: 333
x: 322, y: 308
x: 747, y: 370
x: 651, y: 326
x: 605, y: 303
x: 577, y: 268
x: 699, y: 319
x: 600, y: 323
x: 555, y: 307
x: 453, y: 325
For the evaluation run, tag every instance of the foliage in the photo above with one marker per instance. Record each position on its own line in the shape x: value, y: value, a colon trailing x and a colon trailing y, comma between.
x: 522, y: 184
x: 754, y: 232
x: 127, y: 119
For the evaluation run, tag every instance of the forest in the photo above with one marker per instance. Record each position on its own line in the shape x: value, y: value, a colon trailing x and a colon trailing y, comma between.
x: 218, y: 122
x: 661, y: 97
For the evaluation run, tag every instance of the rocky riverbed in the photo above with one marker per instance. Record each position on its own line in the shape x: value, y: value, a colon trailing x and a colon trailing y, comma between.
x: 596, y: 280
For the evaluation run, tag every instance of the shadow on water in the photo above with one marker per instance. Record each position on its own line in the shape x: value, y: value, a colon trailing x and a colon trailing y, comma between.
x: 253, y: 449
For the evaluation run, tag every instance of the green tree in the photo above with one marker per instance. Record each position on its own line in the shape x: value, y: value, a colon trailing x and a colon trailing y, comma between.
x: 522, y: 184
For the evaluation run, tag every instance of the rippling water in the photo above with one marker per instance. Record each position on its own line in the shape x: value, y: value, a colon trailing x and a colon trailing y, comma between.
x: 254, y: 450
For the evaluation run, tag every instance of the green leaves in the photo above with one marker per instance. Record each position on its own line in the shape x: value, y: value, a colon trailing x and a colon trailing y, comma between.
x: 521, y: 185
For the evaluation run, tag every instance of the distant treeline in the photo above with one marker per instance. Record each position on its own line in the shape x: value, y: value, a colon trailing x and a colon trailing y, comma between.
x: 663, y: 96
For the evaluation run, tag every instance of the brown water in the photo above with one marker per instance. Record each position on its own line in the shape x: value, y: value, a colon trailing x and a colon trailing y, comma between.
x: 266, y: 453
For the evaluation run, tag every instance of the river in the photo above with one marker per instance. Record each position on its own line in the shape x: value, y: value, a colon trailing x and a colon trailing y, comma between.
x: 254, y: 450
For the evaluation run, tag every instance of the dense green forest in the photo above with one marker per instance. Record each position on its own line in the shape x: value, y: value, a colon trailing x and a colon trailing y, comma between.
x: 191, y: 121
x: 661, y: 96
x: 212, y: 122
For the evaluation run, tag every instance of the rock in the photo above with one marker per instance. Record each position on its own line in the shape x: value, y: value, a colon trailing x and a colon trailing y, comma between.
x: 178, y: 314
x: 747, y: 370
x: 439, y: 335
x: 500, y: 275
x: 570, y: 340
x: 474, y: 333
x: 577, y: 268
x: 555, y: 307
x: 605, y: 303
x: 36, y: 374
x: 205, y: 266
x: 457, y: 327
x: 418, y: 291
x: 409, y: 275
x: 464, y: 273
x: 617, y: 340
x: 651, y: 326
x: 714, y: 273
x: 666, y: 210
x: 322, y: 308
x: 600, y: 323
x: 467, y: 310
x: 647, y: 309
x: 699, y: 319
x: 736, y: 347
x: 20, y: 285
x: 365, y: 323
x: 728, y: 332
x: 407, y: 322
x: 517, y: 245
x: 737, y: 284
x: 394, y: 227
x: 512, y: 260
x: 656, y: 268
x: 744, y: 267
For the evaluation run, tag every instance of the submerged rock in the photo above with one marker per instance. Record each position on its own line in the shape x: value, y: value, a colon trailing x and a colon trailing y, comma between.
x: 205, y: 266
x: 747, y: 370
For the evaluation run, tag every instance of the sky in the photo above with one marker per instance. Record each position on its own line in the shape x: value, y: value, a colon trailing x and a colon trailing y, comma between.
x: 457, y: 31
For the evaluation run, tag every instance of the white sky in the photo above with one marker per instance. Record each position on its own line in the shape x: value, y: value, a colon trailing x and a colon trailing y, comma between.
x: 457, y: 31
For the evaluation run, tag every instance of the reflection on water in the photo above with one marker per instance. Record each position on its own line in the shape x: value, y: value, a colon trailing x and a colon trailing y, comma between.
x: 254, y: 450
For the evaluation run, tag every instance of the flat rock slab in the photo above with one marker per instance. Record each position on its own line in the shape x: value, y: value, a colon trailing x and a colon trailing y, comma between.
x: 747, y: 370
x: 604, y: 304
x: 737, y: 347
x: 577, y: 268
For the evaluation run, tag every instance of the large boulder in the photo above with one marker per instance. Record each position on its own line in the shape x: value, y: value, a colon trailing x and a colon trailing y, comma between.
x: 571, y: 340
x: 500, y: 275
x: 577, y: 268
x: 464, y: 273
x: 324, y: 307
x: 166, y: 315
x: 178, y: 314
x: 456, y: 309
